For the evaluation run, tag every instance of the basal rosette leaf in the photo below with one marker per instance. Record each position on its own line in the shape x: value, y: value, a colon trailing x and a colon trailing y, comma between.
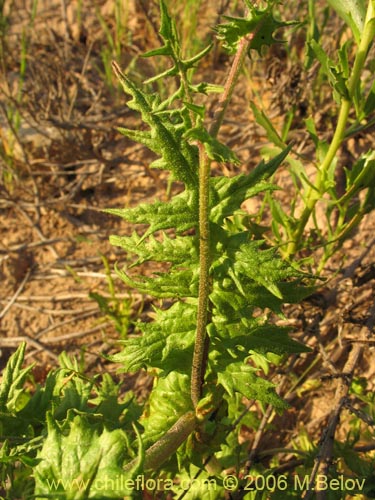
x: 16, y: 419
x: 169, y: 400
x: 80, y: 460
x: 66, y: 388
x: 207, y: 487
x: 105, y: 401
x: 166, y: 343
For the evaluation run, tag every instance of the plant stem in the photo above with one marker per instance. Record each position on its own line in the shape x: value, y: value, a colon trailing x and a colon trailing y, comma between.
x: 200, y: 347
x: 234, y: 73
x: 315, y: 192
x: 168, y: 444
x: 198, y: 363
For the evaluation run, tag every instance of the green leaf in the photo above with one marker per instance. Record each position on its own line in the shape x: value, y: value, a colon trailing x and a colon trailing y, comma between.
x: 321, y: 150
x: 12, y: 392
x: 178, y: 250
x: 260, y: 25
x: 114, y: 412
x: 167, y: 25
x: 264, y: 339
x: 173, y: 284
x: 361, y: 176
x: 66, y: 389
x: 230, y: 305
x: 25, y: 452
x: 80, y: 461
x: 199, y: 110
x: 169, y: 400
x: 263, y: 120
x: 263, y: 266
x: 165, y: 50
x: 180, y: 213
x: 141, y: 137
x: 229, y: 193
x: 215, y: 150
x: 234, y: 30
x: 206, y: 487
x: 278, y: 214
x: 353, y: 12
x: 335, y: 73
x: 369, y: 105
x: 239, y: 377
x: 166, y: 343
x: 206, y: 88
x: 165, y: 137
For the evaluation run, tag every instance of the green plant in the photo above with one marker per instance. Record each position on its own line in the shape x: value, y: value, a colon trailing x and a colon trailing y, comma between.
x: 210, y: 341
x: 343, y: 207
x: 116, y: 309
x: 218, y: 274
x: 69, y: 419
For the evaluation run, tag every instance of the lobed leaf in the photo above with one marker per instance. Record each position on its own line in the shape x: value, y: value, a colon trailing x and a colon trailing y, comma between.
x: 263, y: 339
x: 206, y: 488
x: 175, y: 283
x: 12, y: 392
x: 166, y: 343
x: 258, y: 27
x: 262, y: 266
x: 215, y: 149
x: 242, y: 378
x: 80, y: 461
x: 180, y: 213
x: 335, y: 73
x: 229, y: 193
x: 165, y: 137
x: 169, y: 400
x: 178, y: 250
